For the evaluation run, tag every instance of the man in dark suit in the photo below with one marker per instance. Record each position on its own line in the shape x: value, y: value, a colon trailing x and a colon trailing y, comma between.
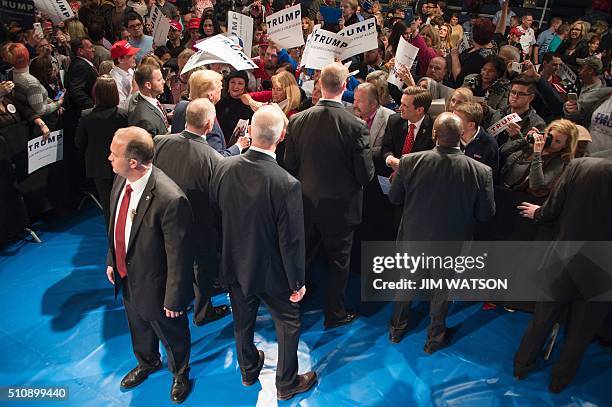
x: 189, y: 161
x: 580, y: 205
x: 80, y: 79
x: 443, y: 193
x: 263, y: 254
x: 328, y: 149
x: 151, y: 258
x: 476, y: 143
x: 149, y: 114
x: 408, y: 131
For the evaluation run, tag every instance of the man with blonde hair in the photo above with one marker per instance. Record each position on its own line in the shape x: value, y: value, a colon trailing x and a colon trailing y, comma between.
x: 476, y: 143
x: 189, y: 161
x: 260, y: 207
x: 328, y: 150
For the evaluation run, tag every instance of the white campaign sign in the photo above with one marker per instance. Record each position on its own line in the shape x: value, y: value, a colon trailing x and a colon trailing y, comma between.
x: 242, y: 27
x: 307, y: 46
x: 285, y: 27
x: 324, y: 47
x: 219, y: 49
x: 57, y: 10
x: 404, y: 56
x: 42, y: 153
x: 362, y: 36
x: 161, y: 26
x: 502, y: 125
x: 565, y: 72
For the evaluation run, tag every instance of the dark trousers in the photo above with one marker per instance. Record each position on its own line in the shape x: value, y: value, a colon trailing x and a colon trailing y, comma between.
x: 205, y: 270
x: 103, y: 188
x: 585, y: 319
x: 286, y: 316
x: 337, y: 243
x: 438, y: 309
x: 172, y: 332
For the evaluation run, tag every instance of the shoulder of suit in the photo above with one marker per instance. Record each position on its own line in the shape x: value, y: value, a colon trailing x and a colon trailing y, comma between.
x: 165, y: 187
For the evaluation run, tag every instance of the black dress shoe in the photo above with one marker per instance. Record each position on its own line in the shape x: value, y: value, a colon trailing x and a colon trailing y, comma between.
x: 431, y: 347
x: 216, y: 313
x: 396, y: 337
x: 305, y: 382
x: 348, y: 318
x: 181, y: 387
x: 250, y: 382
x: 138, y: 375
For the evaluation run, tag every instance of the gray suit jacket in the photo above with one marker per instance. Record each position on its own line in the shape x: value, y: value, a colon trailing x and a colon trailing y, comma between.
x: 377, y: 131
x: 443, y: 192
x: 148, y: 117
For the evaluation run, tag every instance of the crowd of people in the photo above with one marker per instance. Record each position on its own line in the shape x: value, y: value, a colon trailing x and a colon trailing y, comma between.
x: 193, y: 196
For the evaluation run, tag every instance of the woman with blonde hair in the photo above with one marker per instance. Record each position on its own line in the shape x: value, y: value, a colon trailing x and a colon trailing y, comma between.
x: 456, y: 33
x: 534, y: 163
x: 75, y: 29
x: 460, y: 95
x: 575, y: 45
x: 445, y: 31
x: 285, y: 92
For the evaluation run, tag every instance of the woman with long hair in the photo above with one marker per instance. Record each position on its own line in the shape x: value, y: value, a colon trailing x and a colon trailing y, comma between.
x: 534, y: 163
x: 444, y: 31
x: 307, y: 26
x: 456, y: 34
x: 285, y: 92
x: 576, y: 45
x: 94, y: 135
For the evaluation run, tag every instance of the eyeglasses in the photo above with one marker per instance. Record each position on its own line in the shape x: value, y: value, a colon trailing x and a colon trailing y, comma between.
x: 522, y: 94
x: 134, y: 26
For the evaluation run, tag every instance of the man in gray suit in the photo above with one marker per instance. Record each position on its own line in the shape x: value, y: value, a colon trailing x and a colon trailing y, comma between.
x: 443, y: 193
x: 149, y: 114
x: 367, y: 107
x: 150, y: 258
x: 189, y: 161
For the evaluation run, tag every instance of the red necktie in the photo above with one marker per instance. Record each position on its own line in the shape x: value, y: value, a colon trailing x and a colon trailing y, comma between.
x: 120, y: 232
x: 409, y: 140
x: 163, y: 111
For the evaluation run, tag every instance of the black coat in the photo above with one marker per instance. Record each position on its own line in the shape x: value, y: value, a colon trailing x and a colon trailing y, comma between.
x: 328, y: 150
x: 229, y: 111
x: 395, y: 136
x: 189, y: 161
x: 484, y: 148
x: 443, y: 193
x: 260, y: 208
x: 580, y: 202
x: 94, y: 135
x: 79, y: 81
x: 159, y: 255
x: 148, y: 117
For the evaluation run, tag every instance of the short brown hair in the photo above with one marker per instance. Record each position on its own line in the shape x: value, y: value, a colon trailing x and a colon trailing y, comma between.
x: 422, y: 98
x: 525, y: 80
x: 144, y: 74
x: 472, y: 111
x: 105, y: 92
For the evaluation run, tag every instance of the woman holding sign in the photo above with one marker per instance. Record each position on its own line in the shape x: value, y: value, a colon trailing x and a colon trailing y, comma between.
x: 536, y: 162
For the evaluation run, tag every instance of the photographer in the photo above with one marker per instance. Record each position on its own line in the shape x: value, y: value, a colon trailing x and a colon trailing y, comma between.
x: 535, y: 162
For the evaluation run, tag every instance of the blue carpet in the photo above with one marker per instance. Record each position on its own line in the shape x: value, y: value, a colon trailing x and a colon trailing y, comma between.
x: 60, y: 326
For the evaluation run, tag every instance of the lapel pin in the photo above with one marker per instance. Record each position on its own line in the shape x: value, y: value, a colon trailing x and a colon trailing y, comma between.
x: 132, y: 214
x: 147, y: 198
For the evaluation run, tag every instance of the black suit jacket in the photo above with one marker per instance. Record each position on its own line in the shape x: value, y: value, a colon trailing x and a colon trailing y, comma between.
x: 328, y: 150
x: 189, y: 161
x: 395, y: 136
x: 484, y: 148
x: 80, y: 79
x: 215, y: 138
x: 148, y: 117
x: 580, y: 202
x: 443, y: 192
x: 94, y: 135
x: 159, y: 255
x: 260, y: 208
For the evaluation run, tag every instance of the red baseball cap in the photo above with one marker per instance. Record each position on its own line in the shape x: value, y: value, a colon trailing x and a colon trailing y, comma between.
x: 194, y: 24
x: 516, y: 32
x: 123, y: 48
x: 176, y: 25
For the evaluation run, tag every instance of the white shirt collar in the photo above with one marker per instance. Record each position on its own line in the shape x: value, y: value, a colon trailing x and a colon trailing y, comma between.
x: 121, y: 72
x: 139, y: 185
x: 88, y: 61
x: 472, y: 139
x: 417, y: 125
x: 261, y: 150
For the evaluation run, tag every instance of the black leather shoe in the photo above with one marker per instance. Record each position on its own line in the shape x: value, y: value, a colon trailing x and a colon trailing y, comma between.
x: 138, y: 375
x: 348, y: 318
x: 181, y: 387
x: 305, y: 382
x: 216, y: 313
x: 250, y: 382
x: 396, y: 337
x: 431, y: 347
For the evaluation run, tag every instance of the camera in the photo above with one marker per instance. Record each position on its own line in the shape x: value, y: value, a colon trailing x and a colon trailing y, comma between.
x: 547, y: 140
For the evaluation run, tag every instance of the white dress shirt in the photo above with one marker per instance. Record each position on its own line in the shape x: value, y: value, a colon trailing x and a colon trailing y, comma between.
x: 417, y: 127
x: 124, y: 84
x: 137, y: 190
